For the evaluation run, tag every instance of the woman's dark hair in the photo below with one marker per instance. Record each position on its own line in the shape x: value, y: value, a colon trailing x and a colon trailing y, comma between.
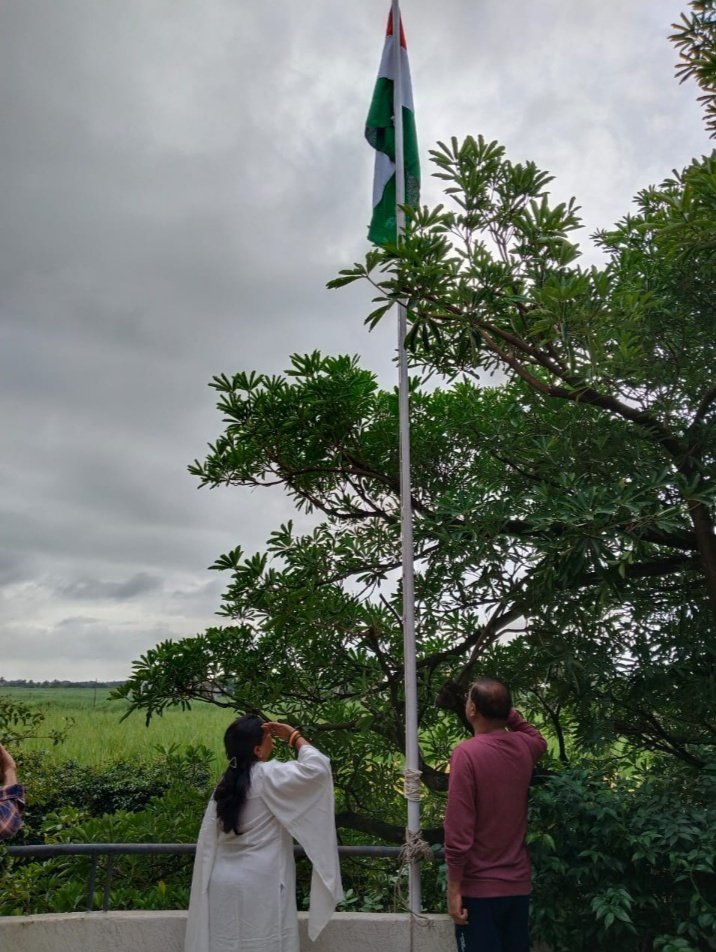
x: 240, y: 739
x: 491, y: 698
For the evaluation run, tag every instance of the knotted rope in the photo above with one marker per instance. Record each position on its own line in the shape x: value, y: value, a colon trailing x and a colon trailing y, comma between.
x: 414, y: 849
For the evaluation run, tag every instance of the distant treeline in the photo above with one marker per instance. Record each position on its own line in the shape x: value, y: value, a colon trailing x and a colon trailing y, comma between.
x: 21, y: 683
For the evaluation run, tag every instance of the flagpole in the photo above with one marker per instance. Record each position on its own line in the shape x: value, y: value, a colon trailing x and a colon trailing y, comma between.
x: 409, y: 655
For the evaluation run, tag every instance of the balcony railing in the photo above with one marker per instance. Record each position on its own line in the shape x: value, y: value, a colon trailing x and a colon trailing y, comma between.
x: 97, y: 850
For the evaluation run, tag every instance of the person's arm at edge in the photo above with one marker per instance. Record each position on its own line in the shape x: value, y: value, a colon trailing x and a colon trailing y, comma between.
x: 12, y: 796
x: 8, y: 768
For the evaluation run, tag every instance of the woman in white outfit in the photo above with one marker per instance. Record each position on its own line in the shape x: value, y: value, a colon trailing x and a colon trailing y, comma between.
x: 243, y: 891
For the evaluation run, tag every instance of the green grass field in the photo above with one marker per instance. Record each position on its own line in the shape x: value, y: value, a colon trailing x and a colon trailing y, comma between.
x: 98, y: 734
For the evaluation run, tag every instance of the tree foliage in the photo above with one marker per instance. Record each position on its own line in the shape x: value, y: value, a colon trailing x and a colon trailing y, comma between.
x: 20, y: 721
x: 571, y: 504
x: 695, y: 39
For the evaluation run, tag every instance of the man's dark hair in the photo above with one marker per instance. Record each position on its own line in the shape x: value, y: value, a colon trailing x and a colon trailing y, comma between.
x: 492, y: 698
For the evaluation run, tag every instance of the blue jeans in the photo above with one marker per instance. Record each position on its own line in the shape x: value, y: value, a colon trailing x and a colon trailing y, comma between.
x: 499, y: 924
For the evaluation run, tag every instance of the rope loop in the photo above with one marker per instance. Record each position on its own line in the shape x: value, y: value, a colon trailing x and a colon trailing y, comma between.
x: 414, y: 849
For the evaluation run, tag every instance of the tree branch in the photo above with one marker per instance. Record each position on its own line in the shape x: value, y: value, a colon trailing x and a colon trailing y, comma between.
x: 347, y: 819
x: 708, y: 398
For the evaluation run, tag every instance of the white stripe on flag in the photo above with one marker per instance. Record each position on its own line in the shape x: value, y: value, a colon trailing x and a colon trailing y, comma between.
x: 386, y: 70
x: 384, y: 171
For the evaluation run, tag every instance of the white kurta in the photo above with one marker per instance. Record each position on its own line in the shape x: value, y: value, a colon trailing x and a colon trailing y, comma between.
x: 243, y: 891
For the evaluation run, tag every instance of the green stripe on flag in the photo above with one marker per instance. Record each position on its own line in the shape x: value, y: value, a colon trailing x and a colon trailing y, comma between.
x: 384, y: 225
x: 380, y: 133
x: 380, y: 118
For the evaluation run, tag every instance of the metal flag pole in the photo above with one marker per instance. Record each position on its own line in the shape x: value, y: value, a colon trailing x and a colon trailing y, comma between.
x: 412, y: 772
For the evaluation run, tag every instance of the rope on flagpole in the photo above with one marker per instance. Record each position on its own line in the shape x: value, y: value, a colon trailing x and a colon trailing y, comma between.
x: 411, y: 784
x: 414, y: 850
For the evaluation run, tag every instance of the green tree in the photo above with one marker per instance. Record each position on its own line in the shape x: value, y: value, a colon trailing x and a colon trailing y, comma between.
x: 569, y: 505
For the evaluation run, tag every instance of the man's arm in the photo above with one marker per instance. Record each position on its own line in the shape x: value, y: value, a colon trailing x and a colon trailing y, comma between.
x: 455, y: 908
x: 536, y: 742
x: 459, y: 830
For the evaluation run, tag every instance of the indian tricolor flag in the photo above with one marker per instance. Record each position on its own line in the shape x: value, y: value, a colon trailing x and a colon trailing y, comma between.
x: 380, y: 132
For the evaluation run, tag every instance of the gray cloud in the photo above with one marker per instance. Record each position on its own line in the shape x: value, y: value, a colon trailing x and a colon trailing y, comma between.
x: 79, y: 648
x: 94, y: 589
x: 177, y: 183
x: 12, y: 569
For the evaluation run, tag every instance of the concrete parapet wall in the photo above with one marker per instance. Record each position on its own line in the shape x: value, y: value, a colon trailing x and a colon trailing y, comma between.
x: 164, y: 932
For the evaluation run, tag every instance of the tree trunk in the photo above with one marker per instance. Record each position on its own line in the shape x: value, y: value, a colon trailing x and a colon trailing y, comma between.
x: 706, y: 540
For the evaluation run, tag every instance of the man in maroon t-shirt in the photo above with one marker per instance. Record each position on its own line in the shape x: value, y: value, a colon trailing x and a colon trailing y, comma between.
x: 489, y: 873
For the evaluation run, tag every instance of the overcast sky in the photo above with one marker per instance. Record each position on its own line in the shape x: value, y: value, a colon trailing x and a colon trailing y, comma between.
x: 178, y: 181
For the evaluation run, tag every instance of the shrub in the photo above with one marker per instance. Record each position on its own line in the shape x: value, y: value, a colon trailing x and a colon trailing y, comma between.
x: 118, y: 786
x: 159, y: 801
x: 625, y: 865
